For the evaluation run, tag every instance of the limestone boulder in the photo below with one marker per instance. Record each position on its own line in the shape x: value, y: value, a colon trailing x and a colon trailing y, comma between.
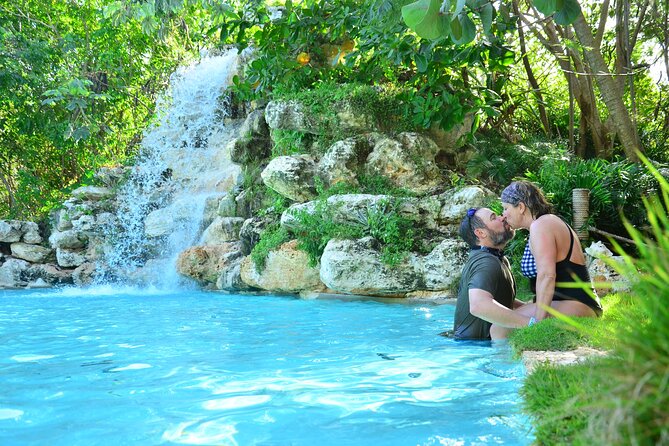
x: 254, y: 144
x: 355, y: 267
x: 345, y: 159
x: 227, y: 206
x: 62, y: 220
x: 85, y: 223
x: 250, y: 232
x: 31, y: 253
x: 292, y: 177
x: 408, y: 161
x: 221, y: 230
x: 453, y: 152
x: 11, y: 273
x: 111, y: 176
x: 84, y: 274
x: 30, y: 232
x: 19, y: 231
x: 231, y: 277
x: 603, y: 268
x: 206, y: 263
x: 68, y: 258
x: 455, y: 202
x: 442, y: 268
x: 10, y: 231
x: 92, y: 193
x: 289, y: 115
x: 286, y: 270
x: 70, y: 239
x: 50, y: 273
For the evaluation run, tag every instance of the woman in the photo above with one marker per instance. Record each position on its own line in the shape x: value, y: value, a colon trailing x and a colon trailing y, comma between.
x: 555, y: 250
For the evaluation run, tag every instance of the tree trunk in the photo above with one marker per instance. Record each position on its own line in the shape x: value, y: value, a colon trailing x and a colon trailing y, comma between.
x: 611, y: 94
x: 530, y: 75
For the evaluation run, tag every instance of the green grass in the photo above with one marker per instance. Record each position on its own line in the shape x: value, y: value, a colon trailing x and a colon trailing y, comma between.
x: 601, y: 333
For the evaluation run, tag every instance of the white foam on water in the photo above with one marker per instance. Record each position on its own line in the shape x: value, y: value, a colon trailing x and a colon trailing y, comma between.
x: 31, y: 358
x: 210, y: 432
x: 10, y: 414
x: 236, y: 402
x: 138, y: 366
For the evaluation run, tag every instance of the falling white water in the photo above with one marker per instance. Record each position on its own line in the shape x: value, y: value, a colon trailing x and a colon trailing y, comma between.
x: 183, y: 161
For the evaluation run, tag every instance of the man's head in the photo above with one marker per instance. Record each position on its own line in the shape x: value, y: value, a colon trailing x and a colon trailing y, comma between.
x: 482, y: 227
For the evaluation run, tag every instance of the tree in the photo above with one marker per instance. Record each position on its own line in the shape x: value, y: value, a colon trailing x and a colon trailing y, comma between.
x: 435, y: 19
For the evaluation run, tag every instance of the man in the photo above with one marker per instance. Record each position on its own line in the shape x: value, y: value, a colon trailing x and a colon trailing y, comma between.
x: 487, y: 294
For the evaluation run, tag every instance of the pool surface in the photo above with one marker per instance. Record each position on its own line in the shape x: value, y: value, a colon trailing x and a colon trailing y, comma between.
x: 126, y: 367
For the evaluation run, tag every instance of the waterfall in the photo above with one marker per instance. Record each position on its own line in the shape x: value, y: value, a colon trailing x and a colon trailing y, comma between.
x: 183, y: 164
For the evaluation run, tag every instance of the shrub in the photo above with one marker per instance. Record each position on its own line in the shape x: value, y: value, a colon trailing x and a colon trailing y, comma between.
x: 272, y: 237
x: 317, y: 228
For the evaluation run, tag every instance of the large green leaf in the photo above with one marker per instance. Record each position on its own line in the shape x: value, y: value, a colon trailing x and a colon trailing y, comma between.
x: 425, y: 19
x: 486, y: 13
x: 414, y: 13
x: 567, y: 12
x: 546, y: 7
x: 463, y: 29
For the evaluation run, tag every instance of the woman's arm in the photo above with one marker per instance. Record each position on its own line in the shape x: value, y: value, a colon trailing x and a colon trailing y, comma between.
x: 543, y: 245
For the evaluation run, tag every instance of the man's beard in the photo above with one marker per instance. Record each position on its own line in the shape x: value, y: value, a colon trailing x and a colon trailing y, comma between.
x: 501, y: 238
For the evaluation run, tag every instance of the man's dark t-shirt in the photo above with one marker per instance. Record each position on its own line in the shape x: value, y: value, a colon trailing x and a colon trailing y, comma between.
x: 487, y: 272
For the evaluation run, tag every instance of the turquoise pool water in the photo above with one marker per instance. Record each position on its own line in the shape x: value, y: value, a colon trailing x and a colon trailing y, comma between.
x: 126, y: 367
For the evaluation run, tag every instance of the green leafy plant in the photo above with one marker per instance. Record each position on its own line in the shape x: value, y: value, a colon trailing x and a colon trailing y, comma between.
x: 271, y: 238
x: 315, y: 229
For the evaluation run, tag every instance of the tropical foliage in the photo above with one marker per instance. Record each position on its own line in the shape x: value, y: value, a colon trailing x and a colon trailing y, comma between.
x: 78, y: 80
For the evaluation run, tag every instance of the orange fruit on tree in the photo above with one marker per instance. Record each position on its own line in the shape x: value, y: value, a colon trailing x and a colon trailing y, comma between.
x: 303, y: 58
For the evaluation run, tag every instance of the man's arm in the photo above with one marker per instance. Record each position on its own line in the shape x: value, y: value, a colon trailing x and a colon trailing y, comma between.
x: 482, y: 305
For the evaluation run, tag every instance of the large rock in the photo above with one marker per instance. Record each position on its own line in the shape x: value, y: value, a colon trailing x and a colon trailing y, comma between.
x: 455, y: 202
x: 602, y: 269
x: 84, y: 274
x: 292, y: 177
x: 10, y: 231
x: 288, y: 115
x: 250, y: 232
x: 231, y: 277
x: 11, y: 273
x: 206, y: 263
x: 254, y: 144
x: 68, y: 258
x: 408, y: 161
x: 222, y: 229
x: 442, y: 268
x: 345, y: 159
x: 31, y: 253
x: 451, y: 143
x: 286, y: 270
x: 92, y: 193
x: 30, y: 233
x: 70, y: 239
x: 50, y: 273
x: 15, y: 231
x: 111, y: 176
x: 355, y: 267
x: 227, y: 206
